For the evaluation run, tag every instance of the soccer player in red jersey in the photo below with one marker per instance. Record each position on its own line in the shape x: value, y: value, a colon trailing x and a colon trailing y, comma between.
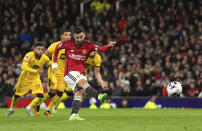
x: 77, y: 52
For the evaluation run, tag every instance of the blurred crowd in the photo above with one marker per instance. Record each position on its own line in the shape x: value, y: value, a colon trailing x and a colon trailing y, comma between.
x: 157, y: 41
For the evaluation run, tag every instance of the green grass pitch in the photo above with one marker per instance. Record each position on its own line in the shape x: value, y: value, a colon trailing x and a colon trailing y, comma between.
x: 106, y: 120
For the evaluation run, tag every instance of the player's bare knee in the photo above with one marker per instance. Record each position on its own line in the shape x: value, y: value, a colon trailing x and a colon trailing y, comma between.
x: 81, y: 83
x: 78, y: 92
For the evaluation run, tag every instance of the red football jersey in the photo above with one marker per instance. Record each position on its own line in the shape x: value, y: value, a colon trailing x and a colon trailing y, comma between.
x: 76, y: 56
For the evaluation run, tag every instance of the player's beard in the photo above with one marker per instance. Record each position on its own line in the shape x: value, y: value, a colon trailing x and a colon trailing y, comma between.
x: 79, y: 44
x: 38, y: 56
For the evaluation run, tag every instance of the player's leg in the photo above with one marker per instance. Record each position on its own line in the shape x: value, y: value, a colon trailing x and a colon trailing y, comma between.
x: 90, y: 91
x: 66, y: 95
x: 60, y: 90
x: 37, y: 110
x: 78, y: 83
x: 68, y: 92
x: 49, y: 95
x: 55, y: 98
x: 76, y: 104
x: 81, y: 82
x: 38, y: 91
x: 60, y: 86
x: 36, y: 101
x: 20, y: 91
x: 13, y: 103
x: 71, y: 80
x: 52, y: 85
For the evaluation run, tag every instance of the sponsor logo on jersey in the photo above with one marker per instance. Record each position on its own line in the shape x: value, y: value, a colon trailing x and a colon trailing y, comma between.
x: 78, y: 76
x: 77, y: 57
x: 60, y: 45
x: 62, y: 56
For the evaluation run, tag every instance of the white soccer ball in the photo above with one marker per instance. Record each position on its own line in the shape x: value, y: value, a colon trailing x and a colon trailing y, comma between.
x: 174, y: 87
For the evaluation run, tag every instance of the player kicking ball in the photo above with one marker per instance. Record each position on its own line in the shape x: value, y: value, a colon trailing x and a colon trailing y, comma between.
x: 93, y: 61
x: 32, y: 67
x: 77, y: 52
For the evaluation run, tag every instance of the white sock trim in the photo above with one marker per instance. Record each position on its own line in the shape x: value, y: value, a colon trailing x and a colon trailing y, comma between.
x: 28, y: 107
x: 11, y: 109
x: 86, y: 86
x: 78, y: 98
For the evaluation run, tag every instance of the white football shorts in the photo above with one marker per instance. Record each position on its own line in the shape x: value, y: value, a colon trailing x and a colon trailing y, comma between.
x: 72, y: 78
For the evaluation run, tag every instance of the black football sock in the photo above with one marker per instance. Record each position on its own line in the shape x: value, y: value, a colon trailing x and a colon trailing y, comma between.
x: 90, y: 91
x: 76, y: 104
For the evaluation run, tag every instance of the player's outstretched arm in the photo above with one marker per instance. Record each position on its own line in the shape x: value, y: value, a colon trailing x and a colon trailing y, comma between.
x: 106, y: 47
x: 111, y: 43
x: 25, y: 67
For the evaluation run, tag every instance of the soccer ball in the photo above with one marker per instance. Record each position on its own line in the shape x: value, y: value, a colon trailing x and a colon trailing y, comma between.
x: 174, y: 87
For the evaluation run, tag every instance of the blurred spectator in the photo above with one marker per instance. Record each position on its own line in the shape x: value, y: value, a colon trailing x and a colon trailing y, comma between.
x: 139, y: 91
x: 192, y: 90
x: 124, y: 104
x: 122, y: 23
x: 25, y: 37
x: 96, y: 5
x: 4, y: 41
x: 106, y: 5
x: 116, y: 90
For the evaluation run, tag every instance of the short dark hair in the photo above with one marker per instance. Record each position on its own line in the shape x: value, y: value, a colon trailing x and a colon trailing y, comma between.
x: 39, y: 44
x: 64, y: 30
x: 78, y: 29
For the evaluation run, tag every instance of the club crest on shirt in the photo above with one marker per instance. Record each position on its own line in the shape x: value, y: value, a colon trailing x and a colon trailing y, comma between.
x: 27, y: 57
x: 78, y: 76
x: 60, y: 45
x: 84, y: 51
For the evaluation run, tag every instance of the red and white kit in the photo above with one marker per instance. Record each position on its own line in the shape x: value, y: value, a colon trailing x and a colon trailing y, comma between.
x: 75, y: 60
